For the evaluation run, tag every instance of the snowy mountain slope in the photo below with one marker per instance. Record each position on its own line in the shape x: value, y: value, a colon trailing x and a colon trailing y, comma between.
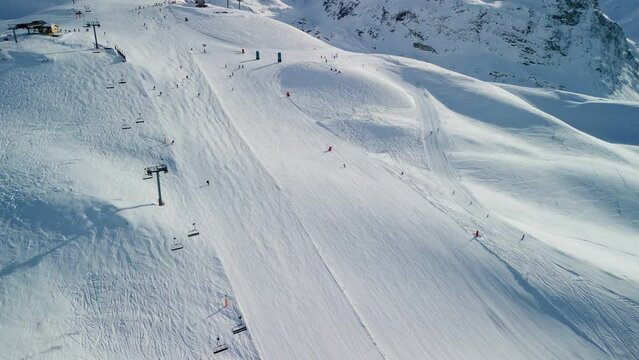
x: 558, y: 44
x: 372, y: 260
x: 82, y: 276
x: 609, y: 120
x: 624, y: 12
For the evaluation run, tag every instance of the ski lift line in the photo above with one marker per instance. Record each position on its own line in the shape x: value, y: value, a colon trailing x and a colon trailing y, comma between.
x: 240, y: 327
x: 157, y: 170
x: 193, y: 232
x: 177, y: 245
x: 125, y: 125
x: 347, y: 299
x: 146, y: 176
x: 220, y: 347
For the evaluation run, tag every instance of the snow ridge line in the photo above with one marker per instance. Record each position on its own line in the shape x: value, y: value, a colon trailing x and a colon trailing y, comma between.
x: 342, y: 289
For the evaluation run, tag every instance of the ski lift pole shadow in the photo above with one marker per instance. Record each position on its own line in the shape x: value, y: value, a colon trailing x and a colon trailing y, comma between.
x: 209, y: 316
x: 133, y: 207
x: 264, y: 66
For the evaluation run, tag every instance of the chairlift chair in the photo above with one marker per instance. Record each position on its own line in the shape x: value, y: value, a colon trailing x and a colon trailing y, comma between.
x: 110, y: 85
x: 176, y: 245
x: 139, y: 121
x: 220, y: 347
x: 122, y: 81
x: 125, y: 125
x: 146, y: 176
x: 193, y: 232
x: 241, y: 327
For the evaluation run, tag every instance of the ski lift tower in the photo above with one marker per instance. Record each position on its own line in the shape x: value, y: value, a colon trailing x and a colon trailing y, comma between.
x: 148, y: 174
x: 13, y: 28
x: 93, y: 24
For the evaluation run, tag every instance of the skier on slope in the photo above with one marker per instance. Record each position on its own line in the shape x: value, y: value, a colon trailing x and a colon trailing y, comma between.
x: 477, y: 234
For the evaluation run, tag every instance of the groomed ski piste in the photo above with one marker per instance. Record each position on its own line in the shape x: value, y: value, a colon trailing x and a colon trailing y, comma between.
x: 366, y: 251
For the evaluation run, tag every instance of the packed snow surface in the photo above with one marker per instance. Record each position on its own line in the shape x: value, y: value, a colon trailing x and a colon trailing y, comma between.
x: 337, y: 196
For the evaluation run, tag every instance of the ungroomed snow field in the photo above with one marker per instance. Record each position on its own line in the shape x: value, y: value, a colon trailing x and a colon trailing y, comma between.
x: 366, y: 251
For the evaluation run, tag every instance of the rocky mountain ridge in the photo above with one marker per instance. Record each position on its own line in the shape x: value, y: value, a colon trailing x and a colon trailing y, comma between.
x: 564, y: 44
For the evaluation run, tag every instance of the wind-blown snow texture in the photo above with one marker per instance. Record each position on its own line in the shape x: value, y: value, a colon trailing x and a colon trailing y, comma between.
x: 362, y: 252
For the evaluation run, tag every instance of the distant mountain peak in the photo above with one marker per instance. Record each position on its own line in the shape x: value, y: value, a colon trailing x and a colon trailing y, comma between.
x: 564, y: 44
